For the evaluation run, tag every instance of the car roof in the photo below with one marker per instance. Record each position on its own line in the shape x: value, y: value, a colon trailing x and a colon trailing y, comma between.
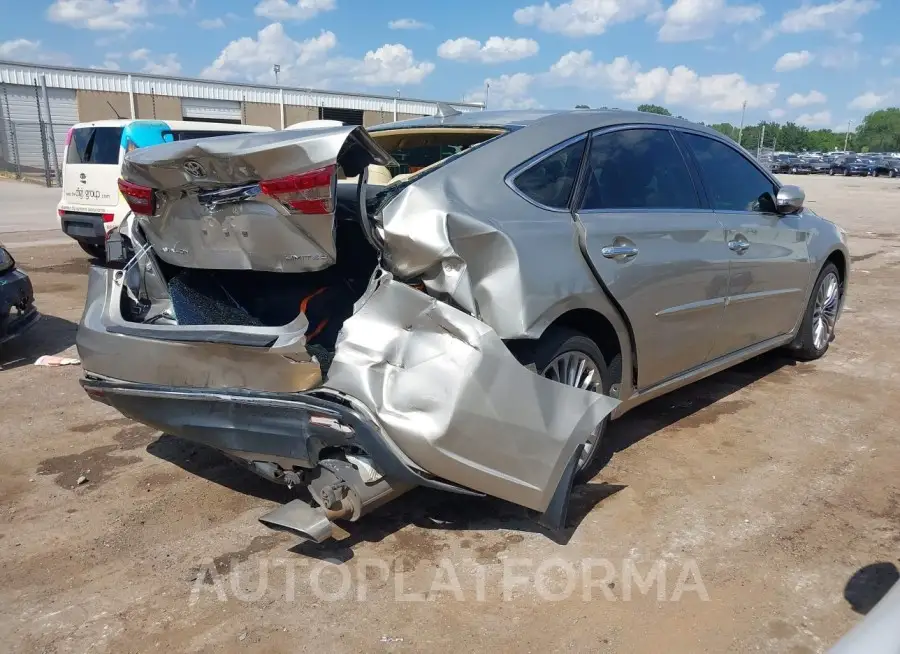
x: 580, y: 120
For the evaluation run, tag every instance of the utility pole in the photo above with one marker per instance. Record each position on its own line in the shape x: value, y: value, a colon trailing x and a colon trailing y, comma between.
x: 847, y: 136
x: 487, y: 92
x: 277, y: 69
x: 741, y: 132
x: 762, y: 137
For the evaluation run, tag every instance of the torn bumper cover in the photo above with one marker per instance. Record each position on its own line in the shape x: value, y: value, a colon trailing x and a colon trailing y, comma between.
x: 430, y: 393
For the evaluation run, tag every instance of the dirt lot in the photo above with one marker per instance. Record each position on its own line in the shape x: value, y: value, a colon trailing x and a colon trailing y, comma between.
x: 772, y: 489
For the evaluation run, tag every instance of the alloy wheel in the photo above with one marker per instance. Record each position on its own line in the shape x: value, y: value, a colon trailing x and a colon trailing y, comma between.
x: 577, y: 369
x: 825, y: 310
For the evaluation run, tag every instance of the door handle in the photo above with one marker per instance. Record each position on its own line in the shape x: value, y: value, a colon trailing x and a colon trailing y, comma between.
x: 615, y: 251
x: 738, y: 246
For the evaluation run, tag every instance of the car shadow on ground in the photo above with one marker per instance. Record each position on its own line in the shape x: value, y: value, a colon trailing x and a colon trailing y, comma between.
x: 50, y: 335
x: 869, y: 585
x: 442, y: 511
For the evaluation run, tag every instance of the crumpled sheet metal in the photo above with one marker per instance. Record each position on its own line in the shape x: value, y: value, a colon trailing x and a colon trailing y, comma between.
x: 447, y: 391
x: 216, y: 230
x: 429, y: 234
x: 248, y: 158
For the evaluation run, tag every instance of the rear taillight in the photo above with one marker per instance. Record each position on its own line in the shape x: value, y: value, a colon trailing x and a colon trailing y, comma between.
x: 141, y: 199
x: 309, y: 193
x: 108, y: 217
x: 69, y: 136
x: 60, y: 212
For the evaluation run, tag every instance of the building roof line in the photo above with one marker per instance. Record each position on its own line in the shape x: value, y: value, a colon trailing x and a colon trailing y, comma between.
x: 47, y: 68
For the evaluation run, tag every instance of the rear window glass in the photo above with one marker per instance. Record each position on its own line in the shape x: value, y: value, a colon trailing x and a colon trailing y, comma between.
x: 95, y: 145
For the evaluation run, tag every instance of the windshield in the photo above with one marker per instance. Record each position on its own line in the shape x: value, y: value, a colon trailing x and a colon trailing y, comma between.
x: 94, y: 145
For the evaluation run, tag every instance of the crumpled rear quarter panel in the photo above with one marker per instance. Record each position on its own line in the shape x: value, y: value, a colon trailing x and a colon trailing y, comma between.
x: 451, y: 396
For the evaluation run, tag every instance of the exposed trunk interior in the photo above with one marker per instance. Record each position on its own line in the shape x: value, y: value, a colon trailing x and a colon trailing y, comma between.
x: 272, y: 299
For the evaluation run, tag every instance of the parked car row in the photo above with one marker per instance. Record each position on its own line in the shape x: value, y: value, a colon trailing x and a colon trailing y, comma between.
x: 846, y: 164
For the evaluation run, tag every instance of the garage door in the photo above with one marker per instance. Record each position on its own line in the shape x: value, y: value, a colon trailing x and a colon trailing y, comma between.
x: 24, y: 124
x: 211, y: 110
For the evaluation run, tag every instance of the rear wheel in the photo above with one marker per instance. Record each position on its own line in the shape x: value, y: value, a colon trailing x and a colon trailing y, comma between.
x: 571, y: 358
x: 819, y: 320
x: 96, y: 251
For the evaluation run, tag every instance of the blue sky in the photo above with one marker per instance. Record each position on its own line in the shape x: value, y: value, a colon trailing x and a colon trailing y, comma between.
x: 819, y: 62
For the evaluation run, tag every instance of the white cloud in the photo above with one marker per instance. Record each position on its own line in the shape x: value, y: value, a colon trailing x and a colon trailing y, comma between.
x: 495, y: 49
x: 777, y: 114
x: 694, y: 20
x: 505, y: 92
x: 168, y: 64
x: 678, y: 86
x: 121, y: 15
x: 584, y: 17
x: 834, y: 16
x: 31, y: 51
x: 813, y: 97
x: 211, y: 23
x: 312, y: 62
x: 408, y: 24
x: 295, y: 10
x: 793, y: 61
x: 819, y: 119
x: 868, y: 101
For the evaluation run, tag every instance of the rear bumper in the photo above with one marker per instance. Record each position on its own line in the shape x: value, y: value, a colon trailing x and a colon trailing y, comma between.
x: 291, y: 429
x: 17, y: 311
x: 84, y: 227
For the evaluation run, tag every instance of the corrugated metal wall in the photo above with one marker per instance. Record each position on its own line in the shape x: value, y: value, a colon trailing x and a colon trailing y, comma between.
x: 96, y: 80
x: 21, y: 115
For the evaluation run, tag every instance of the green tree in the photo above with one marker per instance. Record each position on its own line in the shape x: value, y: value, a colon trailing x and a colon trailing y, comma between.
x: 654, y: 109
x: 879, y: 131
x: 582, y: 106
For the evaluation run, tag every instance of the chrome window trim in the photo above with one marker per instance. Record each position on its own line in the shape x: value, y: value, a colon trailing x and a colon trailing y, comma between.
x: 509, y: 178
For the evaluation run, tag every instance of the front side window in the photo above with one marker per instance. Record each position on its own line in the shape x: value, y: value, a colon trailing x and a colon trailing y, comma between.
x: 732, y: 182
x: 638, y: 169
x: 550, y: 181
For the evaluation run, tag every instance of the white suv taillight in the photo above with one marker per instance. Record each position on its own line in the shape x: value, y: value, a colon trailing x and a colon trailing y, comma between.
x: 309, y: 193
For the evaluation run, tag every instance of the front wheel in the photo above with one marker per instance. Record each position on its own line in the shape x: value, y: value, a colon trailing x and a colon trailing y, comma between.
x: 820, y: 318
x: 571, y: 358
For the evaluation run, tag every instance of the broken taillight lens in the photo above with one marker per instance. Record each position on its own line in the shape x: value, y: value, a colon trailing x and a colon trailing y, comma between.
x: 309, y: 193
x: 141, y: 199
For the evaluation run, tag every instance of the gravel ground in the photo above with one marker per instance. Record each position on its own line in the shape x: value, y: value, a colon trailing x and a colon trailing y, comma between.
x: 766, y: 499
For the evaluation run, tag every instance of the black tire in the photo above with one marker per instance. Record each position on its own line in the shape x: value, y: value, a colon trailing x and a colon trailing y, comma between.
x: 96, y: 251
x: 847, y: 173
x: 831, y: 171
x: 891, y: 174
x: 555, y: 342
x: 803, y: 347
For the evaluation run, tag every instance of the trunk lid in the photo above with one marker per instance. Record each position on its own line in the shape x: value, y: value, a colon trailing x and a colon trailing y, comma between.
x: 263, y: 201
x: 92, y: 167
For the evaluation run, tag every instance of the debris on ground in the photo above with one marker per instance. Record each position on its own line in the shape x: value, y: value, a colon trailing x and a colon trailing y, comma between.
x: 51, y: 361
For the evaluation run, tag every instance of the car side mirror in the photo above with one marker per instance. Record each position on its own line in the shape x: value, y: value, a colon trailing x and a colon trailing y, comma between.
x: 790, y: 199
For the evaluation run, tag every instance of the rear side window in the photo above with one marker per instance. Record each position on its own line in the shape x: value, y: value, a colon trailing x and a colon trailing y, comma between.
x: 550, y: 181
x: 732, y: 182
x: 638, y: 169
x: 95, y: 145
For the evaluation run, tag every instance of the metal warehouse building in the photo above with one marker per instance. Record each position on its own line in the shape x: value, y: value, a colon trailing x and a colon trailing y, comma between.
x: 38, y: 104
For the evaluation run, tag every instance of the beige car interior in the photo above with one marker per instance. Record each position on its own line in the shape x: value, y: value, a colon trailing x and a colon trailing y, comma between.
x: 404, y: 139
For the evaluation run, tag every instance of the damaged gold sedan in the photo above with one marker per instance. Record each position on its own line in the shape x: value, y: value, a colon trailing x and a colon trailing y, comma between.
x: 460, y: 302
